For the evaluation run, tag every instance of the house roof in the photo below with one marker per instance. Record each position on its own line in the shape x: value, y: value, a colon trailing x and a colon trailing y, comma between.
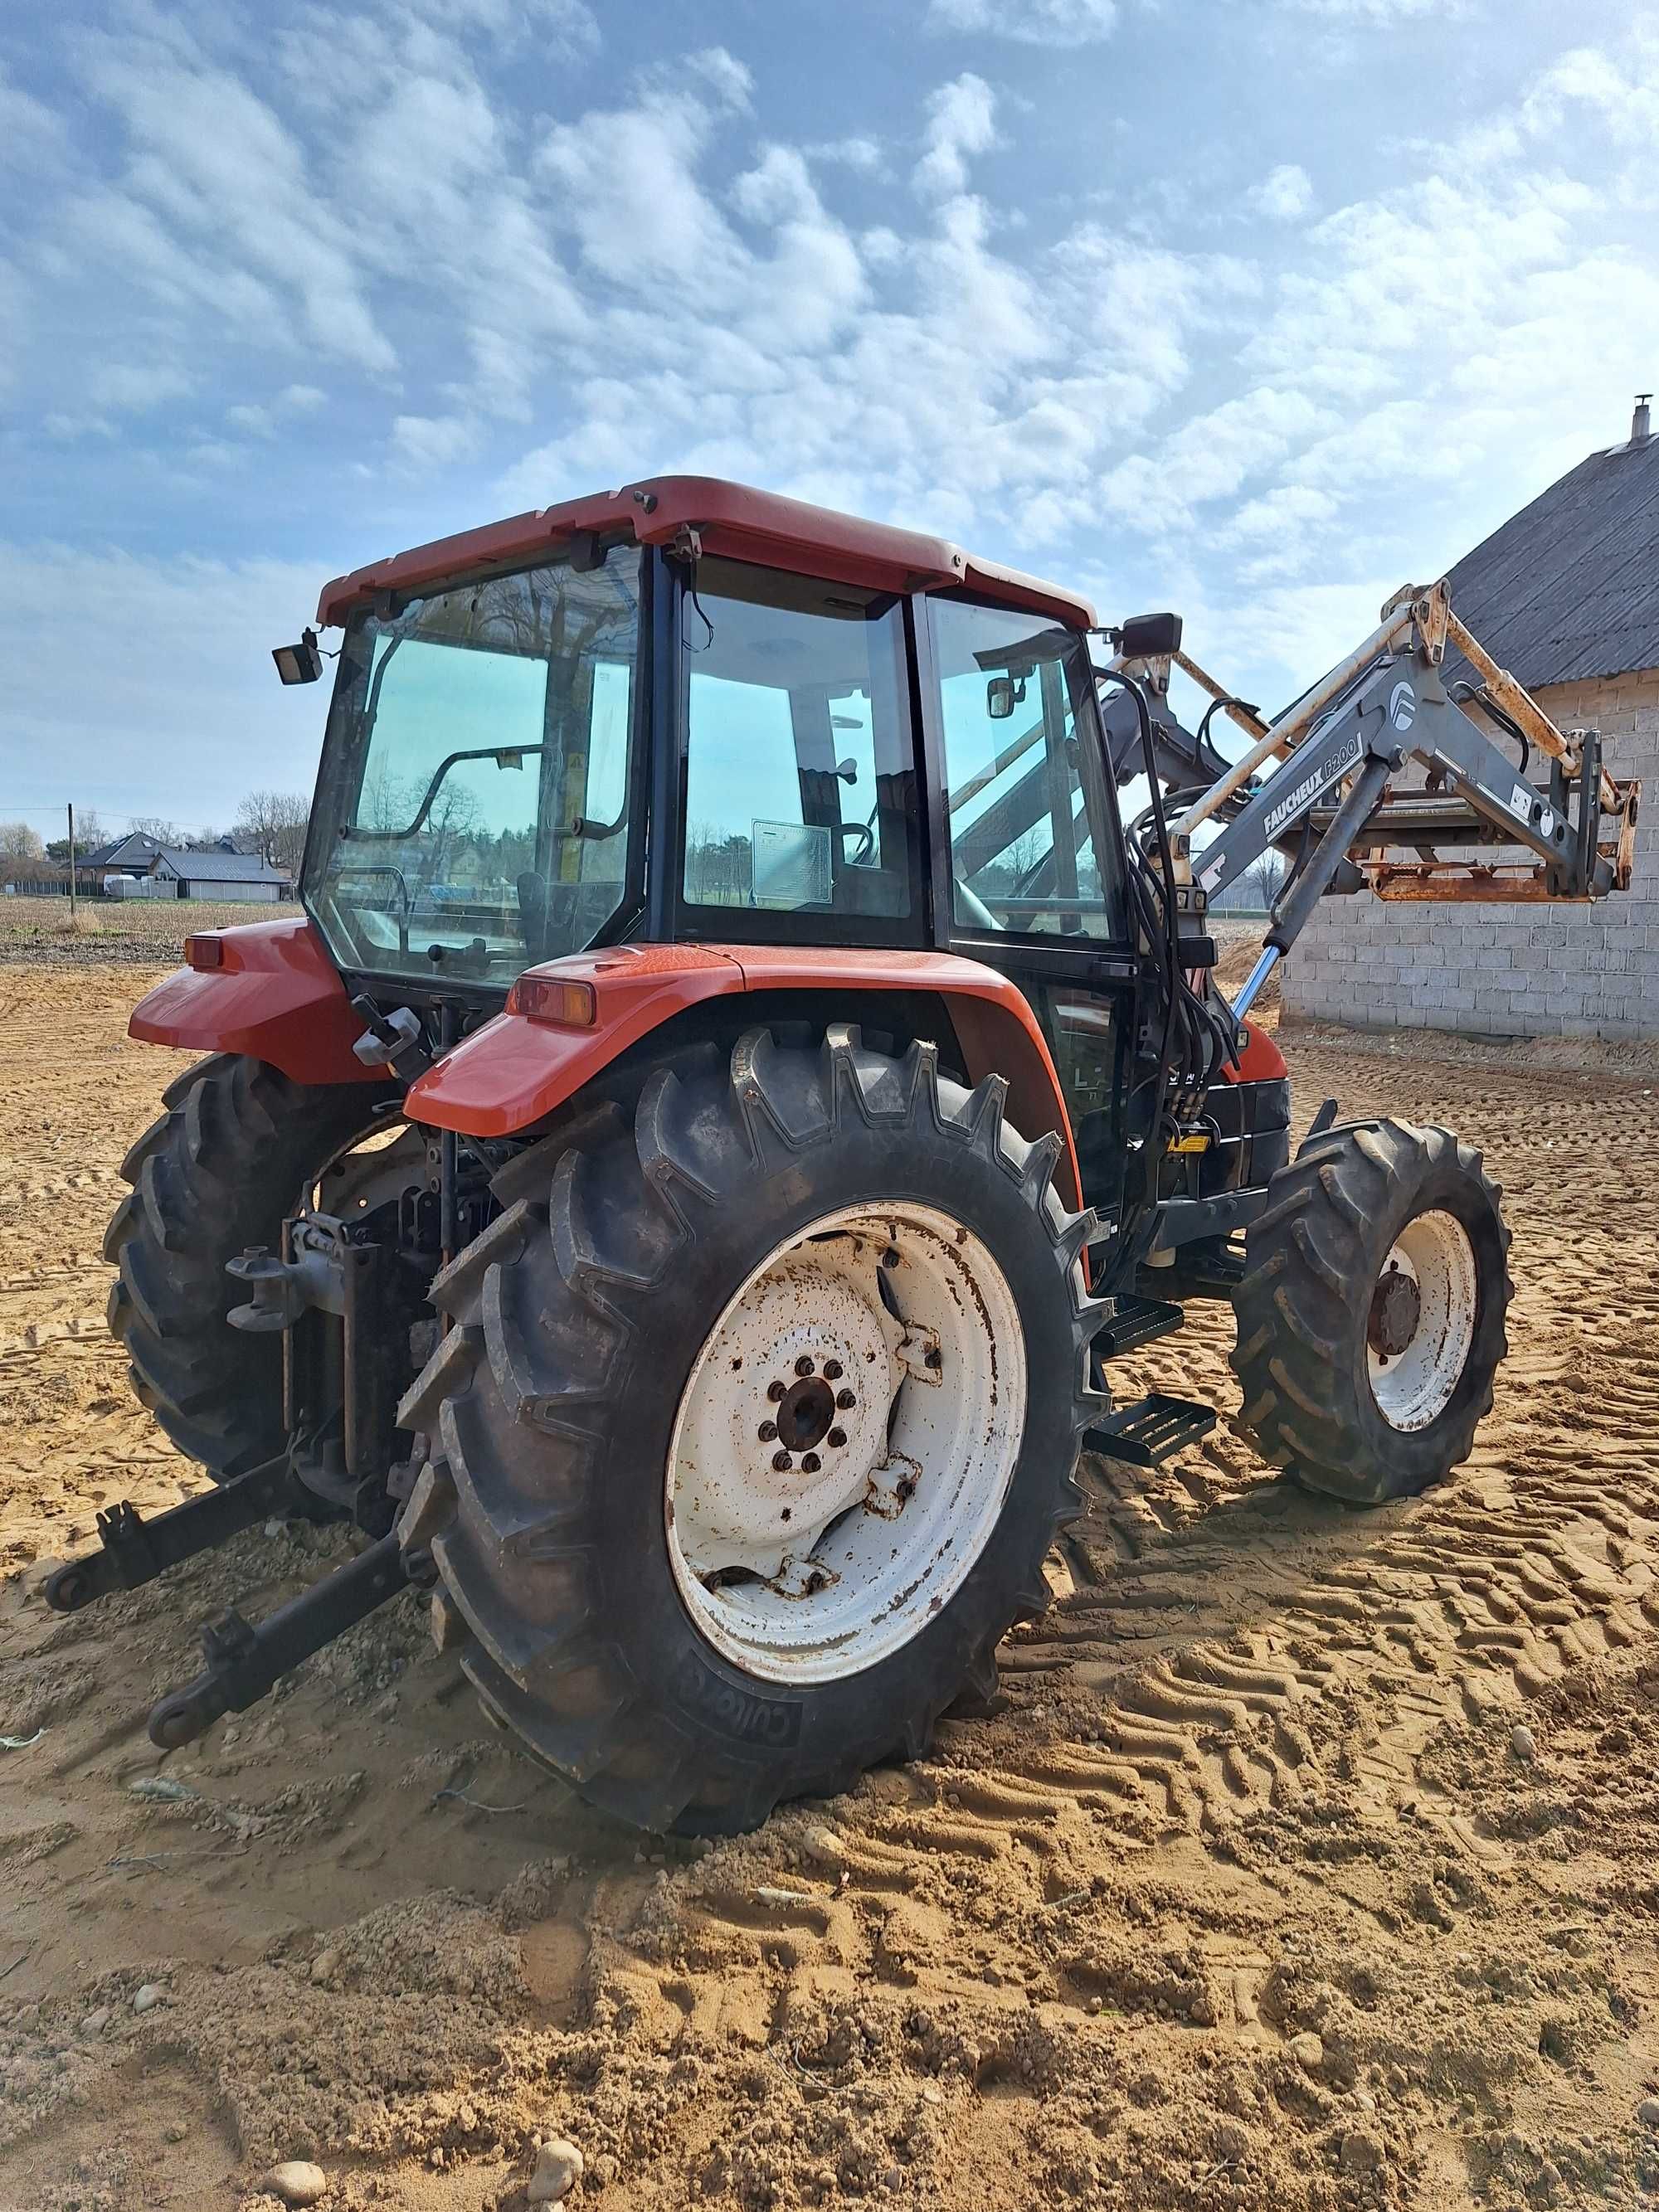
x: 214, y: 866
x: 135, y: 845
x: 731, y: 519
x: 1569, y: 587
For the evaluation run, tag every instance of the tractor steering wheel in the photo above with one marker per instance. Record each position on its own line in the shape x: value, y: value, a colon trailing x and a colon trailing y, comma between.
x: 866, y: 837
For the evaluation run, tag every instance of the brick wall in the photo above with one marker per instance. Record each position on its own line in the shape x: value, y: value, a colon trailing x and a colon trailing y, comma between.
x: 1508, y: 969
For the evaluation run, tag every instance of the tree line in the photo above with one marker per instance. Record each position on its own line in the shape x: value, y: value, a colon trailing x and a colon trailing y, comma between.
x: 272, y: 824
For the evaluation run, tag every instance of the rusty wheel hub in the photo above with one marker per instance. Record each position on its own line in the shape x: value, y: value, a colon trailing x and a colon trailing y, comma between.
x: 1396, y: 1308
x: 806, y: 1414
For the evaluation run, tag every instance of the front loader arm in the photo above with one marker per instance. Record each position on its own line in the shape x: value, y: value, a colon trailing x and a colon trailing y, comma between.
x: 1344, y: 744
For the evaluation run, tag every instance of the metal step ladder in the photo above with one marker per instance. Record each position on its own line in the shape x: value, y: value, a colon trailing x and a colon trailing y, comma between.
x: 1135, y: 1322
x: 1150, y: 1430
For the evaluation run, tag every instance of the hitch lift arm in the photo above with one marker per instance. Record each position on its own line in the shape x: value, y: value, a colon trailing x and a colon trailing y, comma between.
x: 134, y: 1551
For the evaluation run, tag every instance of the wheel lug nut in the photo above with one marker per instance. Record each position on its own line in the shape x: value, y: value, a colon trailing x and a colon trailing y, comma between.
x: 810, y: 1464
x: 838, y: 1438
x: 802, y: 1366
x: 776, y: 1390
x: 767, y: 1431
x: 844, y: 1399
x: 832, y: 1370
x: 782, y: 1462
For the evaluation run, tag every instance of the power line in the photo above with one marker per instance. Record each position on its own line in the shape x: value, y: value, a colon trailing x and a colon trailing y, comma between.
x: 12, y: 809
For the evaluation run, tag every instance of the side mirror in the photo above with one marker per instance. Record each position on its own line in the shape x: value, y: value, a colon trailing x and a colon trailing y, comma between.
x: 299, y: 664
x: 847, y: 769
x: 1150, y: 637
x: 1002, y: 695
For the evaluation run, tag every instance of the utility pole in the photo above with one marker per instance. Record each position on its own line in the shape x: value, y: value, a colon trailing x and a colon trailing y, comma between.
x: 72, y: 846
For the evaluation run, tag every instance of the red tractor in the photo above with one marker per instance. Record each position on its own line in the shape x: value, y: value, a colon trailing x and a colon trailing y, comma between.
x: 736, y: 1087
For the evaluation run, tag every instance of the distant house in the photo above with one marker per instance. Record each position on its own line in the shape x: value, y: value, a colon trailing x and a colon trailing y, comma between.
x: 1566, y: 595
x: 131, y: 855
x: 219, y: 873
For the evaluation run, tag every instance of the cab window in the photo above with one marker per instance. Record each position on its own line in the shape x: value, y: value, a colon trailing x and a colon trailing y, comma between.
x: 799, y: 791
x: 1025, y: 797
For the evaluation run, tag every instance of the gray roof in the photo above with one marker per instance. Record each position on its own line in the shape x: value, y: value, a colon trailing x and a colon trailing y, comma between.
x: 1569, y: 588
x: 215, y: 867
x: 134, y: 846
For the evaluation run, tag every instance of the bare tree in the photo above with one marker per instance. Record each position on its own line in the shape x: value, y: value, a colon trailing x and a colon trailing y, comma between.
x: 158, y: 827
x: 278, y: 821
x: 1265, y: 877
x: 20, y: 848
x: 89, y: 835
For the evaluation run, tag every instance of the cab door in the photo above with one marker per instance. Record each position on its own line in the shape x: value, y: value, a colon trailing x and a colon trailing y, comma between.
x: 1026, y: 852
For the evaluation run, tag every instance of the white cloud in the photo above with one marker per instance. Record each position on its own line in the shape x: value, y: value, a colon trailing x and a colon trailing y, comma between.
x: 565, y: 29
x: 16, y: 322
x: 30, y: 133
x: 1030, y: 22
x: 65, y: 429
x: 1381, y: 13
x: 443, y: 209
x: 134, y: 387
x: 863, y: 155
x: 257, y: 420
x: 961, y: 122
x: 435, y: 441
x: 1284, y: 193
x: 215, y: 203
x: 722, y: 75
x: 639, y: 211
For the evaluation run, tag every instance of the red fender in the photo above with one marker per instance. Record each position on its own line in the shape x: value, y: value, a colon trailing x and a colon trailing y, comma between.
x: 276, y: 996
x: 517, y: 1068
x: 1260, y: 1062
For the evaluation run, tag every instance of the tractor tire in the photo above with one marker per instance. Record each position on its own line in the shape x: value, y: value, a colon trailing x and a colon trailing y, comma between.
x: 221, y: 1170
x: 644, y: 1350
x: 1371, y: 1316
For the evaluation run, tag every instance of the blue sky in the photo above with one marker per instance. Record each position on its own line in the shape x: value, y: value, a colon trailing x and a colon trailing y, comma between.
x: 1256, y: 308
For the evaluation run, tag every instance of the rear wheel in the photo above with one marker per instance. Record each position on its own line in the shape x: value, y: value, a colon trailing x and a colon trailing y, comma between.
x: 1371, y: 1318
x: 758, y: 1415
x: 237, y: 1150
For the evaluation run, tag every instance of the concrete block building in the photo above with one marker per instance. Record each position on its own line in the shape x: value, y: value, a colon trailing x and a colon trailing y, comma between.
x: 1566, y: 595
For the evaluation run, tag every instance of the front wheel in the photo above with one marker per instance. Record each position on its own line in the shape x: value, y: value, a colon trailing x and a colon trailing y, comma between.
x: 1370, y: 1316
x: 758, y: 1415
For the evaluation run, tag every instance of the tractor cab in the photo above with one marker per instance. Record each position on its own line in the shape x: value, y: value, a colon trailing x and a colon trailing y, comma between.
x: 691, y: 714
x: 725, y: 733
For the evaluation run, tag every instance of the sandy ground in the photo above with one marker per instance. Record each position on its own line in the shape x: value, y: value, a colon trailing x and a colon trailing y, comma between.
x: 1242, y: 1896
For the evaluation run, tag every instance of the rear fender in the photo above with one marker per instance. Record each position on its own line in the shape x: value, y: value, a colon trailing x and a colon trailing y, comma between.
x: 276, y: 997
x: 515, y: 1071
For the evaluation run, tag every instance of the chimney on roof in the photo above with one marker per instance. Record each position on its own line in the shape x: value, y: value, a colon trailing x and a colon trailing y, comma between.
x: 1640, y: 421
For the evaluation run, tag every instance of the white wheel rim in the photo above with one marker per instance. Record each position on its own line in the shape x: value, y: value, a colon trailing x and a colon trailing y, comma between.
x: 806, y: 1574
x: 1419, y: 1339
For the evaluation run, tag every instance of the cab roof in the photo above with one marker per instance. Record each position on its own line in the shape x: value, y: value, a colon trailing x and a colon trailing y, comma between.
x: 731, y: 519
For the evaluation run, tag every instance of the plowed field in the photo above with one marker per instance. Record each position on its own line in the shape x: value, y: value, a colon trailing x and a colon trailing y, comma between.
x: 1246, y: 1893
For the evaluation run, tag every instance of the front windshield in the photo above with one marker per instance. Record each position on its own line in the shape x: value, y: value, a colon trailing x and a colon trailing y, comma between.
x: 473, y: 810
